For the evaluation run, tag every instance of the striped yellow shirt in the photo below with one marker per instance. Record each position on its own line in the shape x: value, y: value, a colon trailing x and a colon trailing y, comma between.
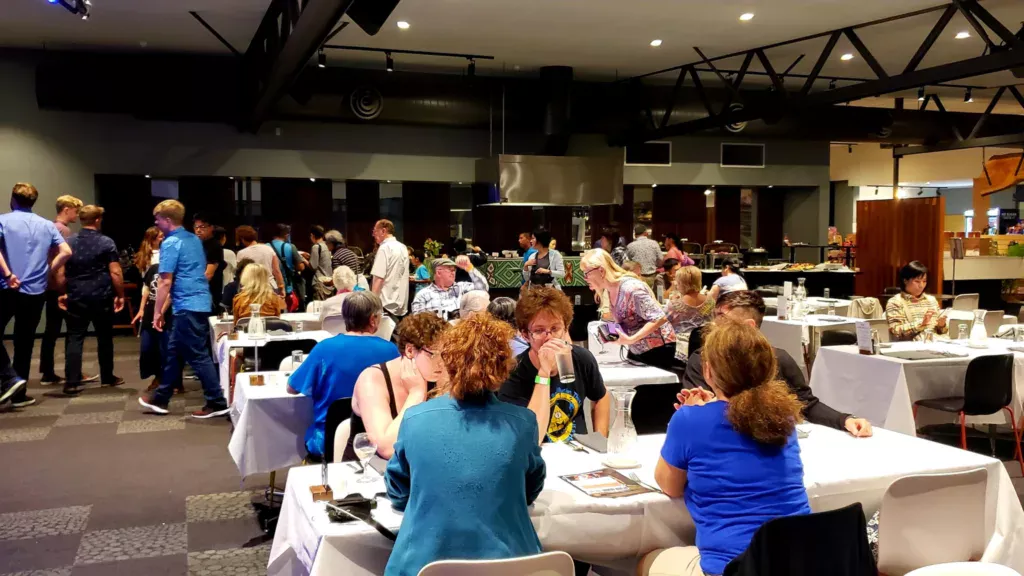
x: 906, y: 313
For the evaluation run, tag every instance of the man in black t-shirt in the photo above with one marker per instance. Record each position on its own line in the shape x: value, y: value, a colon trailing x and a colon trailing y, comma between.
x: 214, y: 257
x: 543, y: 316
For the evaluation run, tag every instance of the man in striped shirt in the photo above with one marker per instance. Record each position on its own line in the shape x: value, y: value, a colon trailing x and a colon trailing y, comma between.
x: 340, y: 254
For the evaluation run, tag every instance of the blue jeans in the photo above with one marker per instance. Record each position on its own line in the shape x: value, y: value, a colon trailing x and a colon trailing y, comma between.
x: 188, y: 343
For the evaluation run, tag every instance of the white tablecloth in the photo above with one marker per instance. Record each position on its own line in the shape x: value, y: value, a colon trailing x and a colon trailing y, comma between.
x: 223, y: 325
x: 838, y: 470
x: 884, y: 389
x: 270, y: 424
x: 791, y: 335
x: 842, y: 306
x: 225, y: 345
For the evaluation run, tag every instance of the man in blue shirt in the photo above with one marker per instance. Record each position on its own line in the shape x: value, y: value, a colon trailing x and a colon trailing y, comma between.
x: 94, y: 293
x: 331, y: 370
x: 30, y: 246
x: 183, y: 280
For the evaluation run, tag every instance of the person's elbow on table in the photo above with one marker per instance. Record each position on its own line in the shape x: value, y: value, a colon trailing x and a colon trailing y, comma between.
x: 293, y: 391
x: 858, y: 427
x: 670, y: 479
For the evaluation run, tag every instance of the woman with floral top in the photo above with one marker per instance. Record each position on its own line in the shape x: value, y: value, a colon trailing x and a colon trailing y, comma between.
x: 687, y: 309
x: 645, y: 328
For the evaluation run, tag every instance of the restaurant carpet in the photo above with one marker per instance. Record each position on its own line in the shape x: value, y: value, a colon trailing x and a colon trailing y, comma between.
x: 91, y: 485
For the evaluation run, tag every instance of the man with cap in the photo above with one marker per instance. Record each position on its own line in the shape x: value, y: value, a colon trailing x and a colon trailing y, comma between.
x: 442, y: 296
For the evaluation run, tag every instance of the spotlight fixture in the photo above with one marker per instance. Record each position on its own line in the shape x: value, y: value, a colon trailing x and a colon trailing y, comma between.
x: 654, y: 185
x: 876, y: 190
x: 921, y: 191
x: 771, y: 186
x: 148, y: 176
x: 849, y: 148
x: 655, y: 43
x: 312, y: 179
x: 962, y: 35
x: 846, y: 57
x: 832, y: 84
x: 403, y: 24
x: 321, y: 59
x: 231, y: 177
x: 76, y: 7
x: 471, y: 69
x: 920, y: 94
x: 708, y: 192
x: 967, y: 96
x: 389, y: 63
x: 747, y: 16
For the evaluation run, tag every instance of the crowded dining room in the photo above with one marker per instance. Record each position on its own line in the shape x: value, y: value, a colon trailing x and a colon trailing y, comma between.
x: 534, y: 288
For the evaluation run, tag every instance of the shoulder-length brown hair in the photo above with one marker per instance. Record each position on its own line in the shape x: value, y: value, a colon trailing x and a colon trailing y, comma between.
x: 145, y: 254
x: 743, y: 366
x: 477, y: 357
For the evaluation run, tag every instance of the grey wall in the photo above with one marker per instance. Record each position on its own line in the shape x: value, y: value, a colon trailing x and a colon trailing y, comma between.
x: 801, y: 218
x: 960, y: 199
x: 845, y: 206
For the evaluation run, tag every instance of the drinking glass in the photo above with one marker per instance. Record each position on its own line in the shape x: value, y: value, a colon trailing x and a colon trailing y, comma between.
x: 298, y: 326
x: 566, y: 371
x: 1018, y: 333
x: 364, y: 449
x: 831, y: 307
x: 827, y: 292
x: 961, y: 332
x: 296, y: 359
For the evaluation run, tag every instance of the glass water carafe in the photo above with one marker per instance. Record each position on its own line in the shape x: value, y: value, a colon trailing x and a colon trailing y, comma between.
x: 257, y: 325
x: 622, y: 434
x: 979, y: 336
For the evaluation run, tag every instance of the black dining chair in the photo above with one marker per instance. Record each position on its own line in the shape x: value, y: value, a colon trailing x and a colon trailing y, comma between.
x: 988, y: 388
x: 832, y: 543
x: 271, y: 322
x: 339, y: 411
x: 273, y: 352
x: 696, y: 341
x: 838, y: 337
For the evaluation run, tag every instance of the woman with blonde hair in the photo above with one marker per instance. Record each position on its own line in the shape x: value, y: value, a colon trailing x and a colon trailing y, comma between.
x: 491, y: 459
x: 632, y: 305
x: 731, y: 453
x: 687, y: 309
x: 256, y: 289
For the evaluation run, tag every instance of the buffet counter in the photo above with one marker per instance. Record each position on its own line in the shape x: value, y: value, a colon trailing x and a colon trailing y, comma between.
x: 984, y: 268
x: 508, y: 272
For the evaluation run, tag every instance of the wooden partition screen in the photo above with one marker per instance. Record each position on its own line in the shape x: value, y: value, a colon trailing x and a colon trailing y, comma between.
x: 425, y: 212
x: 362, y: 201
x: 891, y: 233
x: 681, y: 210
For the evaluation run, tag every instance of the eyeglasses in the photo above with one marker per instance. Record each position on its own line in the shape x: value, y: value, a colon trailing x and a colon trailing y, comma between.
x: 429, y: 353
x: 553, y: 332
x: 586, y: 273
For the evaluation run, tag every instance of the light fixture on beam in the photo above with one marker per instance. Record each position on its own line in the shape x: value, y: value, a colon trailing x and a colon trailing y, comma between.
x: 846, y: 57
x: 832, y: 84
x: 389, y: 62
x: 471, y: 69
x: 920, y: 94
x: 321, y: 59
x: 967, y: 96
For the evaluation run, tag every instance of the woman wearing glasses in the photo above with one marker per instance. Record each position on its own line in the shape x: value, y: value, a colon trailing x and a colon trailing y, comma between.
x: 385, y: 391
x: 543, y: 316
x: 645, y: 328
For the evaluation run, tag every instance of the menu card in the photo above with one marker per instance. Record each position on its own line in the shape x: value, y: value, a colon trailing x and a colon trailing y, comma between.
x: 605, y: 483
x: 864, y: 337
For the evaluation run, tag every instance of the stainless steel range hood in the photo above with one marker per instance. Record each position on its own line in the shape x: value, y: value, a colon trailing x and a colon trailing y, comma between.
x: 558, y: 180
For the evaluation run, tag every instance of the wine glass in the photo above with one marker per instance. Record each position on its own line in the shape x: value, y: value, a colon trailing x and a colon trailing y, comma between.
x: 364, y: 448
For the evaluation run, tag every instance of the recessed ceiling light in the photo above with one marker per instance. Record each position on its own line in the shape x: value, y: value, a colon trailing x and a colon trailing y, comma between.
x: 845, y: 57
x: 962, y: 35
x: 147, y: 176
x: 403, y: 24
x: 655, y: 43
x: 747, y: 16
x: 312, y: 179
x: 654, y: 185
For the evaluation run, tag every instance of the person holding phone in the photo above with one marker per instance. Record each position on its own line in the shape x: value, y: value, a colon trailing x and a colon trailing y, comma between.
x: 543, y: 316
x: 912, y: 312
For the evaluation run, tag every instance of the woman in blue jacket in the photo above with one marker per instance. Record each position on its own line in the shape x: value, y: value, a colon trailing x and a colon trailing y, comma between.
x: 466, y: 465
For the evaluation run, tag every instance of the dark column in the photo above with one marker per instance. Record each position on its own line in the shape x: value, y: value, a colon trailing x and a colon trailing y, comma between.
x: 680, y: 210
x: 297, y: 202
x: 727, y: 214
x: 128, y: 205
x: 362, y: 200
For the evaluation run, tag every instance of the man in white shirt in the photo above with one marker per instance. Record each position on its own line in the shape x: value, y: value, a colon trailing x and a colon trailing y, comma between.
x: 390, y: 270
x: 245, y: 236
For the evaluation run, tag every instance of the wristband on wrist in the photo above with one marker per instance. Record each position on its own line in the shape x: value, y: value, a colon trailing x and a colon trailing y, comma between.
x: 542, y: 380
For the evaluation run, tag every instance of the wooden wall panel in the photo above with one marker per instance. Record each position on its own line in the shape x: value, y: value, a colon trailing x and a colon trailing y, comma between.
x: 128, y: 207
x: 425, y: 212
x: 769, y: 221
x: 558, y: 221
x: 296, y: 202
x: 891, y: 233
x: 362, y: 204
x: 680, y: 210
x: 727, y: 214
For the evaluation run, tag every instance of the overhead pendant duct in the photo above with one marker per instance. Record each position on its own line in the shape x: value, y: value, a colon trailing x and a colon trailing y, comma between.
x: 557, y: 85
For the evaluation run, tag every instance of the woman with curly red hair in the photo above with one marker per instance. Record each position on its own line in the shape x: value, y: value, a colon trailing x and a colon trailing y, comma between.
x: 732, y: 454
x: 466, y: 465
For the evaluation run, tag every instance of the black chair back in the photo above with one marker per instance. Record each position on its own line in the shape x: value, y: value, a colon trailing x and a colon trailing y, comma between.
x: 696, y: 341
x: 833, y: 543
x: 838, y: 337
x: 273, y: 352
x: 892, y: 291
x: 653, y: 407
x: 988, y: 385
x: 337, y: 412
x: 771, y: 311
x: 271, y: 322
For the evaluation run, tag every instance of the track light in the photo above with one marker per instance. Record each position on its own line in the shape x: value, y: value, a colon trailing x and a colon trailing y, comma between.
x: 709, y: 191
x: 920, y: 94
x: 832, y: 84
x: 967, y: 96
x: 849, y: 148
x: 876, y: 190
x: 321, y: 59
x: 471, y: 69
x: 389, y: 63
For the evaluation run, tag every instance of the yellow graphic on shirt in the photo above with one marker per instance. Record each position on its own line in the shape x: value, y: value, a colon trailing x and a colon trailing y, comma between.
x: 565, y: 404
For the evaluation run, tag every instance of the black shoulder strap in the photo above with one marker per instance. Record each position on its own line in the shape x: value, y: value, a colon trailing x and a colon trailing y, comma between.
x: 391, y: 391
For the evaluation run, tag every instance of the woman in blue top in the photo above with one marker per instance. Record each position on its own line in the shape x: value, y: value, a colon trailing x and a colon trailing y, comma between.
x: 466, y: 465
x: 732, y: 455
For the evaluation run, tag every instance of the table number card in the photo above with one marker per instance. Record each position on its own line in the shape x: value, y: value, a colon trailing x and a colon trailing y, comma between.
x: 864, y: 338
